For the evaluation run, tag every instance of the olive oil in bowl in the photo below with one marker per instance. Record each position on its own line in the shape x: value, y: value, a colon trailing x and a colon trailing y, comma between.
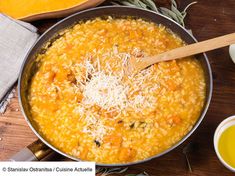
x: 226, y: 145
x: 224, y: 142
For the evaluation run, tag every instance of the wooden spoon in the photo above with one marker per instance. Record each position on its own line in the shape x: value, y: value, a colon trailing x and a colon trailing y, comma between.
x: 137, y: 64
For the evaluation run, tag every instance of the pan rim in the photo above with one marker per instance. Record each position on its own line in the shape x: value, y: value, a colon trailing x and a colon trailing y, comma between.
x: 201, y: 117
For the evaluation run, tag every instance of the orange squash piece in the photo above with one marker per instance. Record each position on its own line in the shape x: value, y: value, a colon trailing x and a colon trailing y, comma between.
x: 126, y: 154
x: 115, y: 140
x: 30, y: 10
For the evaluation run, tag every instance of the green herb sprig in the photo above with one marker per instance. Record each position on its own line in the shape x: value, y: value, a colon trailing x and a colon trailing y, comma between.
x: 110, y: 171
x: 141, y: 174
x: 174, y: 13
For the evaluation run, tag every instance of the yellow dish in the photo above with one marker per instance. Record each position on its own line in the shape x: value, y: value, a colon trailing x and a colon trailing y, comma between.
x: 224, y: 142
x: 85, y: 106
x: 30, y: 10
x: 226, y: 145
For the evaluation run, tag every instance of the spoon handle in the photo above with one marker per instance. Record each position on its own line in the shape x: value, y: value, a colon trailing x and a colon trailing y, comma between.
x: 185, y: 51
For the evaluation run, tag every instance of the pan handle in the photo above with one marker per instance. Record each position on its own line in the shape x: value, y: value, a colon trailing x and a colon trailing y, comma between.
x: 33, y: 152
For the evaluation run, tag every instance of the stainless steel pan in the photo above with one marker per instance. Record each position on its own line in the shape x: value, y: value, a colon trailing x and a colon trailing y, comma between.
x: 41, y: 148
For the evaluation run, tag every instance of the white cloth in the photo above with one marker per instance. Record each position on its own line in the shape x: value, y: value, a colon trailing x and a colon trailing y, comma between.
x: 16, y: 38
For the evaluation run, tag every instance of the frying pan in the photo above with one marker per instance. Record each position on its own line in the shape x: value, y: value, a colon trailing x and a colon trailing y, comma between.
x: 41, y: 148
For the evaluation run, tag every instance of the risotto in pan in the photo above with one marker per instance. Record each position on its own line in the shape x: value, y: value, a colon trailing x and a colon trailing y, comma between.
x: 85, y: 105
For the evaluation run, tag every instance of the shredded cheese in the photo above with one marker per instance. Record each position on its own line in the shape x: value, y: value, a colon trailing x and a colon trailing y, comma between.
x: 105, y: 91
x: 103, y: 87
x: 94, y: 125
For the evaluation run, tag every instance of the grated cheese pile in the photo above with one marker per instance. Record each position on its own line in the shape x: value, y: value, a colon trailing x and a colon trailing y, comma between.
x: 105, y: 91
x: 108, y: 90
x: 94, y: 125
